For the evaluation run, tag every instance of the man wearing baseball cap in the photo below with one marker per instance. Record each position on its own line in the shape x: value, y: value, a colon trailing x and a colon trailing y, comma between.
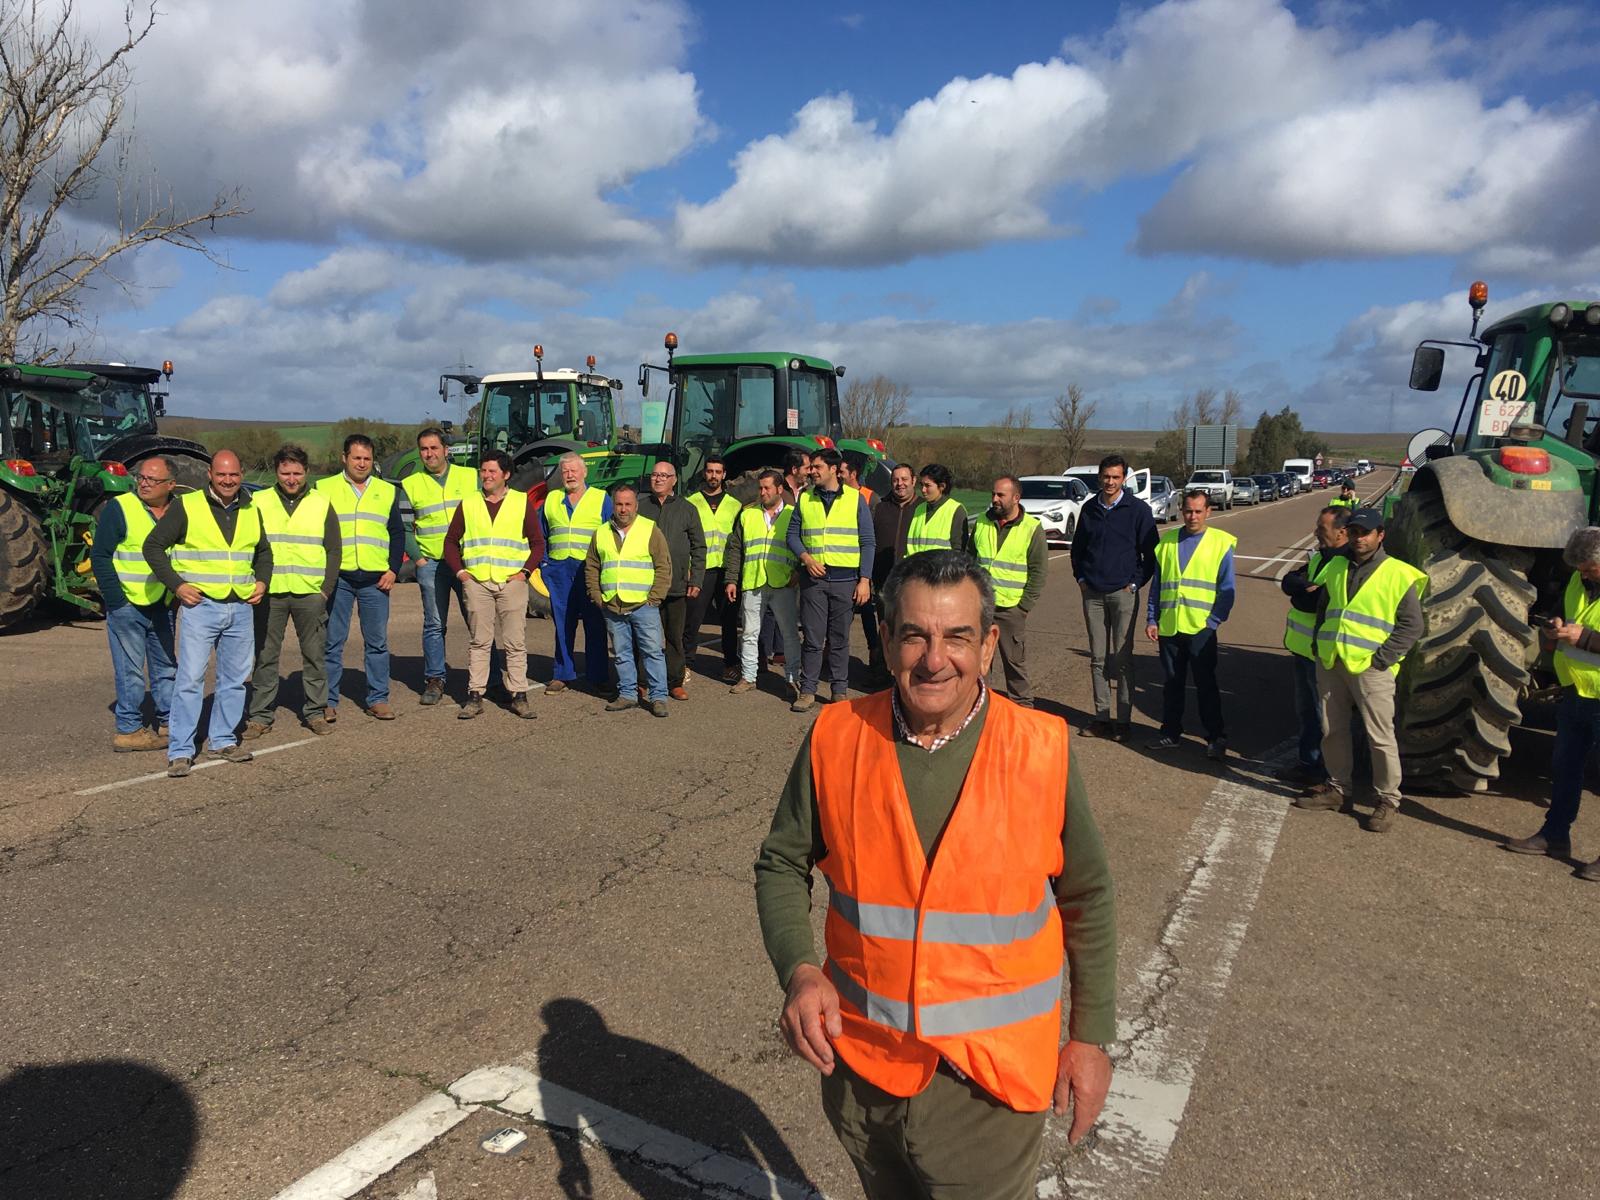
x: 1369, y: 616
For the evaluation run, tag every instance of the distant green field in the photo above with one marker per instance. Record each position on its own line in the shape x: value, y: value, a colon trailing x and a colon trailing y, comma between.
x: 1380, y: 447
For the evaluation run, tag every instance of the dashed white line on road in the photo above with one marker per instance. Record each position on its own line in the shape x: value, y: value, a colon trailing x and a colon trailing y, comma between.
x: 199, y: 766
x: 1181, y: 986
x: 517, y: 1091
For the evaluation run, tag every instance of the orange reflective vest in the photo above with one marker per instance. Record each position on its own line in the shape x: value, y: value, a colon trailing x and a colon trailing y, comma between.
x: 962, y: 959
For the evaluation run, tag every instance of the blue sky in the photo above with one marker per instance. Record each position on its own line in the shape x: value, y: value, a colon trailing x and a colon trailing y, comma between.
x: 983, y: 202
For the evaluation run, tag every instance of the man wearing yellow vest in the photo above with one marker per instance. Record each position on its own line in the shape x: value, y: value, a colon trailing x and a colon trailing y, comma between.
x: 374, y: 541
x: 571, y: 515
x: 304, y: 534
x: 1369, y: 615
x: 138, y: 607
x: 965, y: 875
x: 719, y: 512
x: 435, y: 490
x: 761, y: 578
x: 493, y: 546
x: 209, y: 551
x: 831, y: 536
x: 1010, y: 546
x: 1347, y: 497
x: 939, y: 522
x: 627, y: 573
x: 1191, y: 595
x: 1575, y: 638
x: 1304, y: 594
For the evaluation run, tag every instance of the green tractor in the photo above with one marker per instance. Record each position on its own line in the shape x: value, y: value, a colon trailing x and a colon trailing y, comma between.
x: 119, y: 421
x: 52, y: 486
x: 753, y: 408
x: 1490, y: 506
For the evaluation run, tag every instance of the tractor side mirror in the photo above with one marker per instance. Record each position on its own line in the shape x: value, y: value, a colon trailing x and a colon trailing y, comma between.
x: 1427, y: 369
x: 644, y: 380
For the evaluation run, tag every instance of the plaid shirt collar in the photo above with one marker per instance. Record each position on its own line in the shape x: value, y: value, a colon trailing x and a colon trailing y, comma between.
x: 903, y: 730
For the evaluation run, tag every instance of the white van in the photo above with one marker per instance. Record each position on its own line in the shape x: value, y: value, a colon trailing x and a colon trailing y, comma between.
x: 1137, y: 483
x: 1301, y: 469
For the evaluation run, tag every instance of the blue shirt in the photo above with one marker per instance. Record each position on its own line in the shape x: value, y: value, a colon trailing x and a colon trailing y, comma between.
x: 1220, y: 607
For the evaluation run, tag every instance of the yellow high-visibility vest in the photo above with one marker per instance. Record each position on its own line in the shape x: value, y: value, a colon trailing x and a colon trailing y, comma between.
x: 204, y: 559
x: 1189, y: 593
x: 931, y: 531
x: 363, y: 521
x: 717, y: 524
x: 139, y: 582
x: 831, y: 535
x: 627, y: 572
x: 767, y: 559
x: 1342, y: 503
x: 1353, y: 629
x: 493, y: 550
x: 434, y: 504
x: 571, y: 536
x: 1006, y: 562
x: 299, y: 559
x: 1579, y: 668
x: 1299, y: 627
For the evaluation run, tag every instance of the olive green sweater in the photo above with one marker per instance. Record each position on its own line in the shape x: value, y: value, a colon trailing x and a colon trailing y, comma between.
x: 933, y: 781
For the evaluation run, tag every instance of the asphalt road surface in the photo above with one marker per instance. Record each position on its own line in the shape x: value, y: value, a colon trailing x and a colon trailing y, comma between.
x: 223, y: 985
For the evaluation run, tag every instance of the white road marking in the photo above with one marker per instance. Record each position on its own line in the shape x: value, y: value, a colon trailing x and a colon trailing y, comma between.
x: 1181, y: 987
x: 382, y: 1151
x: 517, y: 1091
x: 199, y: 766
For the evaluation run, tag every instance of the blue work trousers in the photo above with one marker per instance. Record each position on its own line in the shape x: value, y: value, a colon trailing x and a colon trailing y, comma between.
x: 374, y: 608
x: 142, y: 659
x: 570, y: 604
x: 228, y: 628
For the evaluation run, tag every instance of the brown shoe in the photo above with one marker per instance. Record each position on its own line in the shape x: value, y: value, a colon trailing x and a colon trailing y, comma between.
x: 743, y: 686
x: 519, y: 707
x: 432, y: 692
x: 1122, y: 731
x: 658, y: 708
x: 1322, y: 797
x: 1539, y: 844
x: 1097, y: 728
x: 555, y: 686
x: 381, y: 711
x: 678, y: 693
x: 318, y: 726
x: 331, y: 714
x: 255, y: 729
x: 804, y: 702
x: 472, y: 708
x: 1380, y: 818
x: 233, y: 754
x: 838, y: 693
x: 1589, y: 871
x: 622, y: 704
x: 141, y: 739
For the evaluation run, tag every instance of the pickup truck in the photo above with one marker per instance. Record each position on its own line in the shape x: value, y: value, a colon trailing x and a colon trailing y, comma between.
x: 1216, y: 484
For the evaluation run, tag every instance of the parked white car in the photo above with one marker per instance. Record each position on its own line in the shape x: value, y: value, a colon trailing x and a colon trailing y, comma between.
x: 1137, y: 483
x: 1163, y: 499
x: 1216, y: 484
x: 1057, y: 500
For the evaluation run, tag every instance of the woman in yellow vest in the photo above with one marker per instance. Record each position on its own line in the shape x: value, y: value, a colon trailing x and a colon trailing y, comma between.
x: 627, y: 574
x: 939, y: 523
x: 1575, y: 638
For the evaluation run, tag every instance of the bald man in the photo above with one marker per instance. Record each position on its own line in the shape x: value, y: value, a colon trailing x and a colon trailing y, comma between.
x: 210, y: 552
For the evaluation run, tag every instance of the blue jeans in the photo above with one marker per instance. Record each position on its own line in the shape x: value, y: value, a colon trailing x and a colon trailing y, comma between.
x: 570, y: 604
x: 638, y: 632
x: 437, y: 586
x: 230, y: 630
x: 1577, y: 733
x: 1309, y: 711
x: 374, y: 607
x: 141, y: 644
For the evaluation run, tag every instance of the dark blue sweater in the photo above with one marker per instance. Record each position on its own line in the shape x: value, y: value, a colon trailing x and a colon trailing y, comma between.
x: 1114, y: 547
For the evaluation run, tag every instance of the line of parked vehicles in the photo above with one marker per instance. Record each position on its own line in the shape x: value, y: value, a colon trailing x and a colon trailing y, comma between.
x: 1057, y: 500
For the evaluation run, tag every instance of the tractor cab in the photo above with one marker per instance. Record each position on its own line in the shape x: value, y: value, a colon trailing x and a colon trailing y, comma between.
x: 533, y: 416
x: 45, y: 424
x: 119, y: 415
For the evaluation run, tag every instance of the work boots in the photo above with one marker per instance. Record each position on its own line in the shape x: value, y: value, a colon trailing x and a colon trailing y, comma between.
x: 140, y: 739
x: 472, y: 708
x: 432, y: 692
x: 519, y: 707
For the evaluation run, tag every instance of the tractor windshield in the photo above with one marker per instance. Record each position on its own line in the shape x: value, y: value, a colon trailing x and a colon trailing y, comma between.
x: 524, y: 411
x: 114, y: 411
x: 1575, y: 376
x: 718, y: 406
x: 594, y: 415
x: 39, y: 426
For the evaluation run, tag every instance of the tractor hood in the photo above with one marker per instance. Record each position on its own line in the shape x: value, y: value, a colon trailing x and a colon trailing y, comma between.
x: 1487, y: 512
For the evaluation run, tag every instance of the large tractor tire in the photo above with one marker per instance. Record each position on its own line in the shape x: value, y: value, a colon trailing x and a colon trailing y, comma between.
x: 1460, y: 687
x: 24, y: 561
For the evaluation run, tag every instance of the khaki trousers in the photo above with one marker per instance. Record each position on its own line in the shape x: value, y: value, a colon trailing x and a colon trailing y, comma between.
x: 1371, y: 693
x: 951, y: 1141
x: 1013, y: 623
x: 497, y: 612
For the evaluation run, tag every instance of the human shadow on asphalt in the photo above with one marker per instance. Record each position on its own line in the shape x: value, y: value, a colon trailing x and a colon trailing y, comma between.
x: 580, y: 1052
x: 108, y: 1128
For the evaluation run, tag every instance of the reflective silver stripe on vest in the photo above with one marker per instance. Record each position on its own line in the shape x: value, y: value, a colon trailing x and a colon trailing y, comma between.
x: 294, y: 539
x: 896, y: 1014
x: 620, y: 564
x: 132, y: 567
x: 825, y: 546
x: 208, y: 577
x: 513, y: 543
x: 956, y: 1017
x: 1164, y: 604
x: 212, y: 555
x: 1183, y: 581
x: 1005, y: 572
x: 427, y: 510
x: 940, y: 925
x: 927, y: 543
x: 1363, y: 619
x: 290, y: 569
x: 1301, y: 620
x: 1584, y: 658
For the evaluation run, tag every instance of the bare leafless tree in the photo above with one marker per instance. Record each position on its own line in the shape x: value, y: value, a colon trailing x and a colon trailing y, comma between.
x: 1232, y: 403
x: 62, y: 104
x: 1202, y: 406
x: 1071, y: 415
x: 1012, y: 437
x: 870, y: 407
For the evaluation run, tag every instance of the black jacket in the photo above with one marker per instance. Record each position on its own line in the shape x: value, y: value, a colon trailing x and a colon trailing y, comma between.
x: 679, y: 523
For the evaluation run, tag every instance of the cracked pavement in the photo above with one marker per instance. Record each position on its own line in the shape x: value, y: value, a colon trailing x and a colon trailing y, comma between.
x: 269, y: 961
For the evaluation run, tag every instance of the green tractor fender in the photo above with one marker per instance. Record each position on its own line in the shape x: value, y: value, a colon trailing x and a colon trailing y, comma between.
x: 1491, y: 512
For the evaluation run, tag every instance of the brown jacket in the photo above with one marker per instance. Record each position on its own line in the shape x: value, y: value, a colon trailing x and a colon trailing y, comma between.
x: 660, y: 555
